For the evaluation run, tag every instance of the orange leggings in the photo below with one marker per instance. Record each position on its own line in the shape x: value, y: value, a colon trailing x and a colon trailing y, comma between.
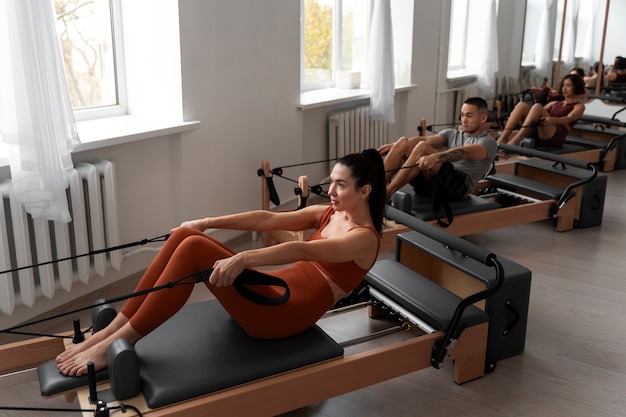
x: 187, y: 251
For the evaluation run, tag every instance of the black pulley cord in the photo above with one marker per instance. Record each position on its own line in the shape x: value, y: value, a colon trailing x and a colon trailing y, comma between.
x: 169, y: 284
x: 94, y: 252
x: 247, y: 277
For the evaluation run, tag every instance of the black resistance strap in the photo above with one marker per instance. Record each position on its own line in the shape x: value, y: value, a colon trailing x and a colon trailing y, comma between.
x: 247, y: 279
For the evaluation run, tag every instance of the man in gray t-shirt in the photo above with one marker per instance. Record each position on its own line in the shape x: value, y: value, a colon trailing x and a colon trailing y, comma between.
x: 470, y: 150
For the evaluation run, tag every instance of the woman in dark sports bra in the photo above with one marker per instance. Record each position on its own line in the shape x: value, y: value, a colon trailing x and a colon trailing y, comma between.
x: 549, y: 124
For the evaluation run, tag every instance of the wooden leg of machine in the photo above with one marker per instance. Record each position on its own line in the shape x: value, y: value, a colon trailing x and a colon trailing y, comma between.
x: 469, y: 354
x: 567, y: 215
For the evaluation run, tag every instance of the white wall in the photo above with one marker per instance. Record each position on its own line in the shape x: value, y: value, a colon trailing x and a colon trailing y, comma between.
x: 241, y: 80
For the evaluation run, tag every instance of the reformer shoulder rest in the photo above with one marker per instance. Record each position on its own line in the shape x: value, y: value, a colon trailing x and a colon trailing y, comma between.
x: 407, y: 201
x: 602, y: 120
x: 421, y: 296
x: 566, y: 148
x: 535, y: 187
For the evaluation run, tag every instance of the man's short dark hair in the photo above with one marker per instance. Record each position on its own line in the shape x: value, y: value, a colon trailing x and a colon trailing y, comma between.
x: 479, y: 102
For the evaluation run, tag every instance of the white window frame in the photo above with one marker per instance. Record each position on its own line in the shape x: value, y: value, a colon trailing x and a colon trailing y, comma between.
x: 117, y: 43
x: 458, y: 42
x: 403, y: 45
x: 471, y: 15
x: 337, y: 47
x: 534, y: 10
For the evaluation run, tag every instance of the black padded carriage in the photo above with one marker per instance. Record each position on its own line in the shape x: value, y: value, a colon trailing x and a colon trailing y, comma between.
x: 407, y: 201
x: 201, y: 350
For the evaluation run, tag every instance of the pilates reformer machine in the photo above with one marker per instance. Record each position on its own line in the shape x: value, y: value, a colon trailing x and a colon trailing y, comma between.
x: 442, y: 300
x: 540, y: 186
x: 606, y: 135
x: 594, y: 139
x: 601, y: 150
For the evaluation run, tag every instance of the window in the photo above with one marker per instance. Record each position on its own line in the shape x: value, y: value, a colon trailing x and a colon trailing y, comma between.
x: 582, y: 32
x: 335, y: 35
x: 458, y: 31
x: 335, y: 39
x: 89, y: 33
x: 534, y: 12
x: 467, y: 27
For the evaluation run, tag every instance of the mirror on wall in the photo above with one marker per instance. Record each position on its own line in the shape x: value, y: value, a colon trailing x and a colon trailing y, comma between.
x: 562, y: 34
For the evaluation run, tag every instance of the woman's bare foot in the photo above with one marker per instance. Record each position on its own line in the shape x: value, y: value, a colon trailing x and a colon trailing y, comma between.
x: 77, y: 364
x: 73, y: 350
x: 74, y: 363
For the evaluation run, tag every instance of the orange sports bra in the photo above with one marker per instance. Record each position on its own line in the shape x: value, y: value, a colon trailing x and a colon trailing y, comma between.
x: 346, y: 275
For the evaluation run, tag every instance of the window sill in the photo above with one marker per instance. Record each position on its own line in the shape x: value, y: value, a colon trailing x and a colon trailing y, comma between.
x: 101, y: 133
x: 329, y: 96
x: 461, y: 76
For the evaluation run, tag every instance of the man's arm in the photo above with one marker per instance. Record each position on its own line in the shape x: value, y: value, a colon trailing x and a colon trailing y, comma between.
x: 472, y: 152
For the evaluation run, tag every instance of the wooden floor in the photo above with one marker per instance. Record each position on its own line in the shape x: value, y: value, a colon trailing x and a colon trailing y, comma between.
x: 574, y: 364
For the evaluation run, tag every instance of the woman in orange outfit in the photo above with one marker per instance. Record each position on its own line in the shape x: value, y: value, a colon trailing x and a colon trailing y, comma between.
x: 321, y: 270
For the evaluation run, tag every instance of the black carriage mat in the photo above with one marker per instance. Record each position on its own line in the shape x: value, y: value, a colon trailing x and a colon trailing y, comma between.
x: 407, y: 201
x: 201, y: 350
x: 52, y: 382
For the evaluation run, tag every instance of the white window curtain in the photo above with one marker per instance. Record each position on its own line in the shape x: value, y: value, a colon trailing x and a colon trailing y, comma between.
x: 591, y: 31
x: 569, y: 34
x: 36, y: 118
x: 542, y: 45
x: 380, y: 65
x: 483, y: 60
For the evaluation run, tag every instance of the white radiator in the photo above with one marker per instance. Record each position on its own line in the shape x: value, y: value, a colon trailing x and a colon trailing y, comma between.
x: 25, y: 241
x: 353, y: 131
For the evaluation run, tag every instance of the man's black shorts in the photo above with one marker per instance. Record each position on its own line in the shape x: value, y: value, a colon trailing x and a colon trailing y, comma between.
x: 451, y: 181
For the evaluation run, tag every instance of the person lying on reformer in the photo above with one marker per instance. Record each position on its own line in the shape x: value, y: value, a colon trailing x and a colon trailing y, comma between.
x: 617, y: 74
x: 549, y: 124
x: 319, y: 271
x: 545, y: 94
x: 466, y: 153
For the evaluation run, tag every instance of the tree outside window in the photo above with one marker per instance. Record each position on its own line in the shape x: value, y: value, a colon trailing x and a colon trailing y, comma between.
x: 86, y: 37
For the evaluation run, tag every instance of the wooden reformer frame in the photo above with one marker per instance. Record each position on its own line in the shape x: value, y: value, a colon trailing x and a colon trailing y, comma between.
x: 278, y: 236
x: 303, y: 386
x: 531, y: 209
x: 292, y: 389
x: 609, y: 144
x: 604, y: 154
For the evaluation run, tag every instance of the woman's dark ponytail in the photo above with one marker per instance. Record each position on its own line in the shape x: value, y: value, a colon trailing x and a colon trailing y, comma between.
x: 367, y: 168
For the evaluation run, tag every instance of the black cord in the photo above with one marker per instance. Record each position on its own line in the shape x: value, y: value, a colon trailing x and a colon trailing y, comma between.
x: 121, y: 407
x: 305, y: 163
x: 169, y: 284
x: 59, y: 410
x: 94, y: 252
